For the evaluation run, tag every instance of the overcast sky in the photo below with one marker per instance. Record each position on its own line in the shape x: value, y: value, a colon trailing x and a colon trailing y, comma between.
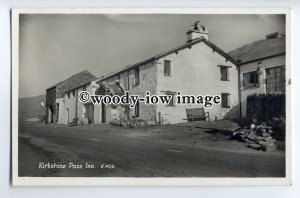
x: 54, y: 47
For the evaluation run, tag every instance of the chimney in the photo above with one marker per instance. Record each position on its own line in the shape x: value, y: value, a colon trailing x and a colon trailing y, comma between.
x: 196, y: 31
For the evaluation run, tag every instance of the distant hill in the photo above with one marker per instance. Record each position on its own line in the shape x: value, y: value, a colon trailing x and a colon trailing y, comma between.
x: 30, y: 107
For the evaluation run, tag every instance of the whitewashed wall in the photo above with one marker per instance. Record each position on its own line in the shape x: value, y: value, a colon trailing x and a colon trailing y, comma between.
x: 195, y: 71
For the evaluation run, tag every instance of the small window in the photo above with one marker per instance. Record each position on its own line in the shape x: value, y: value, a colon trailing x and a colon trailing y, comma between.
x: 250, y: 79
x: 137, y: 110
x: 73, y: 93
x: 68, y: 95
x: 167, y: 68
x: 136, y: 76
x: 225, y: 100
x: 224, y: 73
x: 172, y: 101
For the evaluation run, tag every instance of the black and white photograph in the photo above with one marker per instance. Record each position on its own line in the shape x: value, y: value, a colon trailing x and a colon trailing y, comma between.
x: 143, y: 97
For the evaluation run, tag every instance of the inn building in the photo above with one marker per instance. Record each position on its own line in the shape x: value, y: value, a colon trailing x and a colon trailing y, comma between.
x: 197, y: 67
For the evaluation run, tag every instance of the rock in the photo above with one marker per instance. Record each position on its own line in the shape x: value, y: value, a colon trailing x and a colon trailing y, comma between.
x: 241, y: 138
x: 265, y: 134
x: 262, y: 142
x: 259, y: 126
x: 268, y: 139
x: 251, y: 136
x: 268, y: 147
x: 252, y: 126
x: 258, y: 138
x: 254, y: 146
x: 248, y: 141
x: 262, y: 130
x: 235, y: 134
x: 270, y: 131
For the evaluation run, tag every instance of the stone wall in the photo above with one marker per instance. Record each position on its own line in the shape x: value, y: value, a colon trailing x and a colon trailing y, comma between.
x: 148, y: 82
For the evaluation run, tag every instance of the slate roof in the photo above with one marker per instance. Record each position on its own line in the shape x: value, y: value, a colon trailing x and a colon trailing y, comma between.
x: 175, y: 50
x: 259, y: 50
x: 77, y: 80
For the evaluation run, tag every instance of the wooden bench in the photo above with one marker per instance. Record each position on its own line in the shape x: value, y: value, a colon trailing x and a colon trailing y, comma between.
x: 197, y: 114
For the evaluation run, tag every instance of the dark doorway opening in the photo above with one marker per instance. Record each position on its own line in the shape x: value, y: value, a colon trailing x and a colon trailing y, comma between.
x: 103, y: 114
x: 50, y: 114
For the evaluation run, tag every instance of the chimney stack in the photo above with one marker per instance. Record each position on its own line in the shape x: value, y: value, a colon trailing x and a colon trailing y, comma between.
x: 196, y: 31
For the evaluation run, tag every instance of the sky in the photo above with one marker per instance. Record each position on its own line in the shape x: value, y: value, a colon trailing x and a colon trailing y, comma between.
x: 53, y: 47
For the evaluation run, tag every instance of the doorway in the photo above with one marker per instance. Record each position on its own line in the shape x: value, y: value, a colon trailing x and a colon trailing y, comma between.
x: 50, y: 114
x: 89, y: 112
x: 67, y: 116
x: 103, y: 114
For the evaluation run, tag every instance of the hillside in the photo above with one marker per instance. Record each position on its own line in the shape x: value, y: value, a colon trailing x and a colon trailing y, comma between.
x: 30, y: 108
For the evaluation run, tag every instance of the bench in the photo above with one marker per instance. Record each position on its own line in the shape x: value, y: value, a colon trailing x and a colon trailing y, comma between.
x: 197, y: 114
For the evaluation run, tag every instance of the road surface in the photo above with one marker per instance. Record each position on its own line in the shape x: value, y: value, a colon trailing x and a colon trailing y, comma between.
x: 102, y: 151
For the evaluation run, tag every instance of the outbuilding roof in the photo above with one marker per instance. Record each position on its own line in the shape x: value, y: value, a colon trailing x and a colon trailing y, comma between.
x: 77, y: 80
x: 261, y: 49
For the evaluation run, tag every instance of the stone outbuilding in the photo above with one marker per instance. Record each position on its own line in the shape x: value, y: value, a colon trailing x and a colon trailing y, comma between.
x: 60, y: 98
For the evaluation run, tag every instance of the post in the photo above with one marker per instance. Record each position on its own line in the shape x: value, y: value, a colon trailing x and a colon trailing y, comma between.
x: 239, y: 89
x: 76, y: 101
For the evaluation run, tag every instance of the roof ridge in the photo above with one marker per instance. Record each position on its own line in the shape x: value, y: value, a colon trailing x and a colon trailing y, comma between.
x: 160, y: 55
x: 85, y: 70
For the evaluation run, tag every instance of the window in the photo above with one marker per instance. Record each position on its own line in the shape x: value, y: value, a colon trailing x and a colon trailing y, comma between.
x: 167, y: 68
x: 172, y: 101
x: 73, y: 93
x: 136, y: 76
x: 68, y: 95
x: 275, y: 79
x: 224, y: 73
x: 250, y: 79
x: 225, y: 100
x: 137, y: 110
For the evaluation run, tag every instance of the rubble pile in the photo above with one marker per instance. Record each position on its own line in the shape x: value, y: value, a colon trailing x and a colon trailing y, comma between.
x: 257, y: 137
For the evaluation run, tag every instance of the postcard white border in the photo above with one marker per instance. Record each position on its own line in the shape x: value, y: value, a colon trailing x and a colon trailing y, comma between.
x: 157, y: 181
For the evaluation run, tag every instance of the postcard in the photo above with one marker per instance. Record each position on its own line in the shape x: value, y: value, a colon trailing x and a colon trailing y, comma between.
x: 151, y: 97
